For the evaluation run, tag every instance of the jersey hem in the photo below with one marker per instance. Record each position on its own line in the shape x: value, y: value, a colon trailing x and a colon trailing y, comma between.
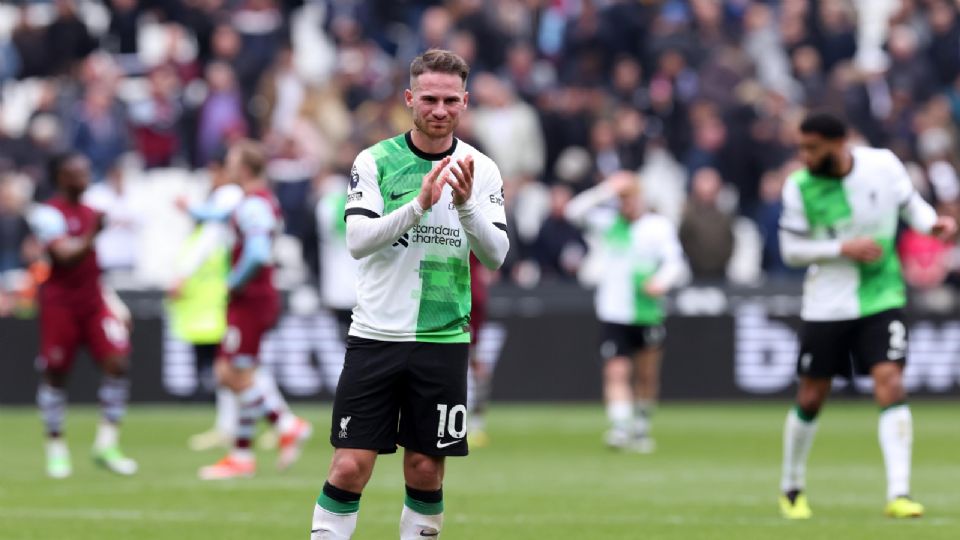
x: 408, y: 338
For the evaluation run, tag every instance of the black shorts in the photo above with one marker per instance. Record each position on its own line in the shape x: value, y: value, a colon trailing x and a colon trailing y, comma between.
x: 408, y: 393
x: 628, y: 339
x: 852, y: 347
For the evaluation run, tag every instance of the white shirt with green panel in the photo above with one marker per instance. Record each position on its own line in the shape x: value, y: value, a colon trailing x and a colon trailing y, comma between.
x: 820, y: 213
x: 630, y: 255
x: 418, y: 289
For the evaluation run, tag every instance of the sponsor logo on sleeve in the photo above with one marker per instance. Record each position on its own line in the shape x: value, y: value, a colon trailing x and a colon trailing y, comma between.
x: 354, y: 178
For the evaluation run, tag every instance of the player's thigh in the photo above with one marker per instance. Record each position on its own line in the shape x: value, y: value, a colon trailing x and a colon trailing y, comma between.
x: 106, y: 336
x: 433, y: 417
x: 825, y: 348
x: 880, y: 338
x: 60, y: 334
x: 366, y: 406
x: 246, y: 326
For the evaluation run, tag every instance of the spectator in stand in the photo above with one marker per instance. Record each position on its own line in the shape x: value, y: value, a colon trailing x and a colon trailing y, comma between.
x: 508, y: 129
x: 118, y: 243
x: 156, y: 119
x: 28, y: 39
x: 68, y: 39
x: 17, y: 248
x: 706, y: 231
x: 559, y: 248
x: 100, y: 131
x: 221, y: 118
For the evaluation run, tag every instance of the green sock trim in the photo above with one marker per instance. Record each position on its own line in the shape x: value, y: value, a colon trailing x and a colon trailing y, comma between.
x: 802, y: 415
x: 420, y: 507
x: 337, y: 507
x: 893, y: 405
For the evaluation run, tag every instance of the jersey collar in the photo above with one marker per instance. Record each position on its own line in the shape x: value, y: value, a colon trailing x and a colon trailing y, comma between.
x: 424, y: 155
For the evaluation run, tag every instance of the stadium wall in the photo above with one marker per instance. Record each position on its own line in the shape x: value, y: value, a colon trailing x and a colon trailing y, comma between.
x: 722, y: 344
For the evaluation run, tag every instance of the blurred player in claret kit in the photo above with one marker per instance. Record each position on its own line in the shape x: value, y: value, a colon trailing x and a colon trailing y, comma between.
x: 418, y: 205
x: 75, y: 310
x: 252, y: 310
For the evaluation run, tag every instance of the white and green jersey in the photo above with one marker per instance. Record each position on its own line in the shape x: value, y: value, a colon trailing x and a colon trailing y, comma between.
x: 418, y: 289
x: 631, y: 255
x: 820, y: 213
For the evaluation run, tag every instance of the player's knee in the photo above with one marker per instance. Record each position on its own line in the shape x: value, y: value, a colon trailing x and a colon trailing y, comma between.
x: 616, y: 369
x: 888, y: 385
x: 348, y: 471
x: 810, y: 403
x: 422, y: 470
x: 116, y: 366
x: 56, y: 378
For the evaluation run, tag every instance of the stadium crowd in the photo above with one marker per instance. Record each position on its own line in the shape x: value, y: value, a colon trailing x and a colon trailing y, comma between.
x: 701, y: 97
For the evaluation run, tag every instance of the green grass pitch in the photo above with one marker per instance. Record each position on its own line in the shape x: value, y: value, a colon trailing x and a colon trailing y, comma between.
x: 546, y: 476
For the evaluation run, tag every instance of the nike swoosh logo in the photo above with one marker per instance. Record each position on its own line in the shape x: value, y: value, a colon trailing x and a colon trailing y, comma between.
x: 394, y: 196
x: 425, y: 533
x: 446, y: 444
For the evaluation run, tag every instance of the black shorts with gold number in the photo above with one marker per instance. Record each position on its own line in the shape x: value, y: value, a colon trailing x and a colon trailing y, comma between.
x: 409, y: 393
x: 851, y: 347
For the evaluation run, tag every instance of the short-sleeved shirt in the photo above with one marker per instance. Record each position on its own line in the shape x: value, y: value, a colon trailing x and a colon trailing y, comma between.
x: 417, y: 289
x: 76, y: 285
x: 866, y: 202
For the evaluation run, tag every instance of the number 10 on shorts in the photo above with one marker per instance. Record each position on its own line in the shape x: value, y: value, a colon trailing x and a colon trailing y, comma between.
x: 455, y: 423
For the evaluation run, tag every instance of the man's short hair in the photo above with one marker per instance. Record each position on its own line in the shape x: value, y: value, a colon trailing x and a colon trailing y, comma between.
x: 439, y: 61
x: 252, y: 155
x: 827, y: 125
x: 57, y: 162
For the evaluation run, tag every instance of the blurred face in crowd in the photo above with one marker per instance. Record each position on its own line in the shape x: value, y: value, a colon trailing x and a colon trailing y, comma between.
x: 706, y: 186
x: 820, y: 155
x: 74, y: 175
x: 436, y: 100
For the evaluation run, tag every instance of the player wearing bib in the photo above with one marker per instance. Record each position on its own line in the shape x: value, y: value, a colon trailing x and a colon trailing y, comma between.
x: 252, y: 309
x: 417, y: 205
x: 840, y: 218
x: 641, y: 259
x: 75, y: 312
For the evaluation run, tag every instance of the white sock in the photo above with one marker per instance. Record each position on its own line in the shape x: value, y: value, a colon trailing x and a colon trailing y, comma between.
x: 329, y: 526
x: 57, y: 448
x: 263, y: 379
x: 896, y: 442
x: 642, y: 416
x: 417, y: 526
x: 107, y: 436
x: 226, y: 422
x: 798, y: 437
x: 620, y: 414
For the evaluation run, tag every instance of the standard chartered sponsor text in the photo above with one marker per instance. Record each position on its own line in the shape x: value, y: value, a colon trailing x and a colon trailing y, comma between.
x: 437, y: 235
